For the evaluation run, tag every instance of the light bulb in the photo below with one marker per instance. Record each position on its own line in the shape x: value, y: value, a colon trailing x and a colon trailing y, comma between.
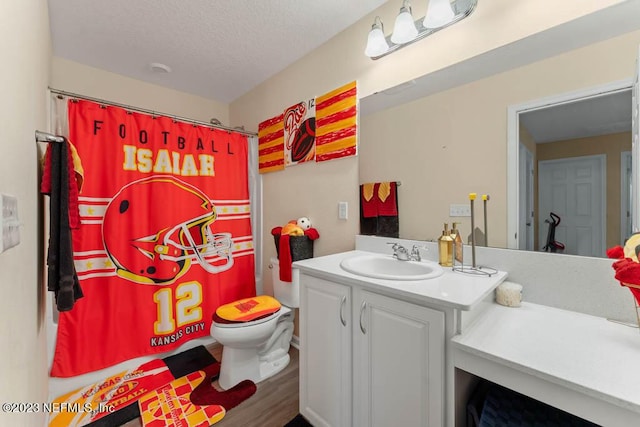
x: 376, y: 41
x: 404, y: 29
x: 439, y: 13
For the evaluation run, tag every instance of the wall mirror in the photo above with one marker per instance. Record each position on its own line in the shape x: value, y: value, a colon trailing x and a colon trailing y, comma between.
x: 448, y: 133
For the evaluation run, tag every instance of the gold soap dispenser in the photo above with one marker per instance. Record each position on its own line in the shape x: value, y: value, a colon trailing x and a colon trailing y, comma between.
x: 445, y: 248
x: 457, y: 242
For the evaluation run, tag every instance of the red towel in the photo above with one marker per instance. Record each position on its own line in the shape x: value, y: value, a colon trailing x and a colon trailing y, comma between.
x: 369, y: 207
x: 375, y: 206
x: 388, y: 207
x: 285, y: 258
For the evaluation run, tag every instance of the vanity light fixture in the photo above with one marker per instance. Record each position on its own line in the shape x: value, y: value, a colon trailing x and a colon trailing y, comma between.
x: 440, y: 14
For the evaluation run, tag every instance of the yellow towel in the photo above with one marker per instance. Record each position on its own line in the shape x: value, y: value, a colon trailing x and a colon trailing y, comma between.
x: 384, y: 190
x: 367, y: 191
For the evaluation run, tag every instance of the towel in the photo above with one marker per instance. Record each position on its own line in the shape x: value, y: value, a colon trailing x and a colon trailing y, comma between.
x: 378, y: 199
x: 387, y: 203
x: 379, y: 209
x: 369, y: 203
x: 62, y: 278
x: 75, y: 179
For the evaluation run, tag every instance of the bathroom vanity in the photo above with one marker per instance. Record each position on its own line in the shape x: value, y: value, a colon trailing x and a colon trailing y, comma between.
x: 380, y: 352
x: 375, y: 352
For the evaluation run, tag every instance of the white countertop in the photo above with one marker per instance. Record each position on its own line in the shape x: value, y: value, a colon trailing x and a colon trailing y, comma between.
x: 452, y: 289
x: 583, y: 353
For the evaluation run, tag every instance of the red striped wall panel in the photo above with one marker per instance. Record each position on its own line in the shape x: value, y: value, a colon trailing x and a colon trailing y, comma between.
x: 271, y: 144
x: 336, y: 123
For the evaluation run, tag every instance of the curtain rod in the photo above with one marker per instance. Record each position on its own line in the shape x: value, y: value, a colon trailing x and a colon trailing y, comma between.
x: 47, y: 137
x: 151, y: 112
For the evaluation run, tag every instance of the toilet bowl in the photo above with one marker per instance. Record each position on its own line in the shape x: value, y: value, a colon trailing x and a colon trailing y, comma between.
x: 256, y: 343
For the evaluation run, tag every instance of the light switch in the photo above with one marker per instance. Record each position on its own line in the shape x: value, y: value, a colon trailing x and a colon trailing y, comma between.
x: 459, y: 210
x: 343, y: 208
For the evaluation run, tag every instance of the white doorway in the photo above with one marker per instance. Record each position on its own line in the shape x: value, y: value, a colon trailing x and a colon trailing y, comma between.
x: 584, y: 99
x: 626, y: 226
x: 526, y: 209
x: 574, y: 190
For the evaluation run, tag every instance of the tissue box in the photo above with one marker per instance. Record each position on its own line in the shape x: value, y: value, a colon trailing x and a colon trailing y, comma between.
x: 301, y: 247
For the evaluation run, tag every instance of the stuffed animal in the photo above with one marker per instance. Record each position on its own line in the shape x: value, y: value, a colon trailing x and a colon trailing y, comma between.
x: 304, y: 223
x: 292, y: 229
x: 299, y: 227
x: 296, y: 227
x: 627, y: 267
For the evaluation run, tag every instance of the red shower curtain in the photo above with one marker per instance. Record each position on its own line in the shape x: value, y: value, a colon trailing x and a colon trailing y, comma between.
x: 165, y: 235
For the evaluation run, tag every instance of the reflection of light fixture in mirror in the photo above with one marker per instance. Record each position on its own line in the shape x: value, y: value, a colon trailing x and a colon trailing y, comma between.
x: 376, y: 43
x: 404, y: 29
x: 440, y: 14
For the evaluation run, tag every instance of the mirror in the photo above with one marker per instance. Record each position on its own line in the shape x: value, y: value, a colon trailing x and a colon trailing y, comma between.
x: 574, y: 171
x: 446, y: 134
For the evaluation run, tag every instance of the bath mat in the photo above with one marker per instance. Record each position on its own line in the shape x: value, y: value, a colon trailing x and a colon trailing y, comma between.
x: 298, y: 421
x: 206, y: 394
x: 169, y: 406
x: 125, y: 389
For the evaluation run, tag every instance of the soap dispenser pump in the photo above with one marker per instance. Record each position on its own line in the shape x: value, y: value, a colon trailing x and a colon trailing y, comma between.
x: 457, y: 242
x: 445, y: 248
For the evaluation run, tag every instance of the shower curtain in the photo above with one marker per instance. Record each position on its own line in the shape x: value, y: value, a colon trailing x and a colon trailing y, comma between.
x: 165, y: 237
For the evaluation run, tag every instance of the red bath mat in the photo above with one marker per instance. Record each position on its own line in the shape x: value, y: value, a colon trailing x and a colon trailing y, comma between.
x: 169, y: 406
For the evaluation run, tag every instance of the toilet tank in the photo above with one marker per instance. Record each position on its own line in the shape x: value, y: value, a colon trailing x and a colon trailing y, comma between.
x: 288, y: 293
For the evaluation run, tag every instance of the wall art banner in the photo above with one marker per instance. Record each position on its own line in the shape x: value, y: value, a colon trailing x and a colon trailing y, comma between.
x: 300, y: 133
x: 271, y: 145
x: 336, y: 123
x: 165, y: 235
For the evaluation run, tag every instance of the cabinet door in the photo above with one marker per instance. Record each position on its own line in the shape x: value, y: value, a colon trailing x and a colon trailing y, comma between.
x: 398, y: 363
x: 325, y: 352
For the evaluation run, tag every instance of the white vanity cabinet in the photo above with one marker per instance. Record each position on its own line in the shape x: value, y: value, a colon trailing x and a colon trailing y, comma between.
x: 367, y: 359
x: 325, y: 352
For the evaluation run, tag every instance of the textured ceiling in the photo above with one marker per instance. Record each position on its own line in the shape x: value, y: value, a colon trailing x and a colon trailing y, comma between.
x: 218, y: 49
x: 595, y: 116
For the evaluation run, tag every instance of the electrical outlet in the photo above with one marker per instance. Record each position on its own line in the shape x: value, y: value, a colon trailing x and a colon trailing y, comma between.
x: 9, y: 223
x: 343, y: 210
x: 459, y: 210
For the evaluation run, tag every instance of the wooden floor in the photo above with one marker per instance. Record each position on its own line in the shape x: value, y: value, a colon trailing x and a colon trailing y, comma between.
x: 273, y: 405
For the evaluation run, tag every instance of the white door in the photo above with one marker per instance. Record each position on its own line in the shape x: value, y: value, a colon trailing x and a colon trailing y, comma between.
x: 525, y: 191
x: 635, y: 150
x: 573, y: 189
x: 325, y: 352
x: 625, y: 196
x: 398, y: 363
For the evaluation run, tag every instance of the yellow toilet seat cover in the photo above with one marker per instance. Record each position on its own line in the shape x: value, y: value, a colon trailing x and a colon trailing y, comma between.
x: 248, y: 309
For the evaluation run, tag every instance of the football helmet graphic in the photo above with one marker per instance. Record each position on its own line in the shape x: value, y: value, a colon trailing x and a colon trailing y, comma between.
x: 155, y: 227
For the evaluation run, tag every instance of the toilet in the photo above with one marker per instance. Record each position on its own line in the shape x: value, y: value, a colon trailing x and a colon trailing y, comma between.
x: 256, y: 332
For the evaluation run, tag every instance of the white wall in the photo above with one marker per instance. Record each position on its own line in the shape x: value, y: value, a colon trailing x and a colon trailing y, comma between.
x: 26, y: 52
x: 77, y: 78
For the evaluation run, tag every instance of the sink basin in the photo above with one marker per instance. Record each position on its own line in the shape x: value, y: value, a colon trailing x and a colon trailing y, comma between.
x: 386, y: 267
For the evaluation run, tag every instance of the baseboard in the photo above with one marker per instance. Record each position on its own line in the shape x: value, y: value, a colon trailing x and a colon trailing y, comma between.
x: 295, y: 341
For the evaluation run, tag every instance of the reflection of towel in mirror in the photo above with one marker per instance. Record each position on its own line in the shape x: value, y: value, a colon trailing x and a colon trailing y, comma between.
x: 379, y: 209
x: 378, y: 199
